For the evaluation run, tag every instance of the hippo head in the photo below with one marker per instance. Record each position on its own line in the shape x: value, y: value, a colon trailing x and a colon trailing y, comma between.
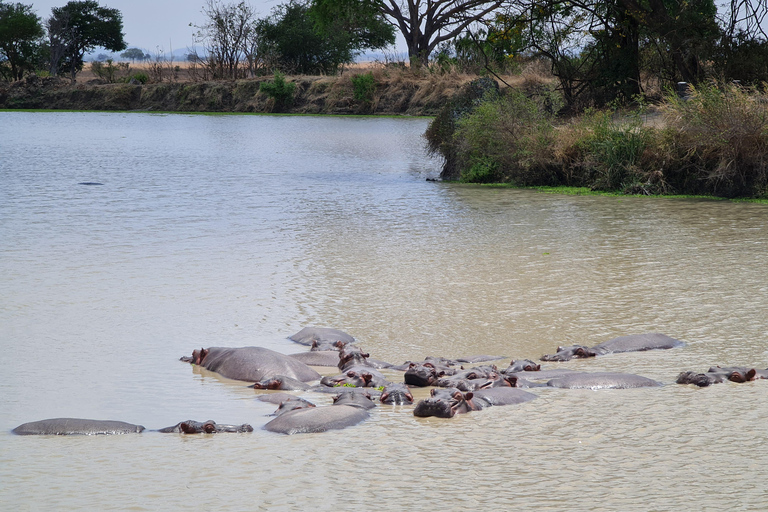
x: 327, y: 346
x: 350, y: 378
x: 396, y: 394
x: 197, y: 356
x: 196, y: 427
x: 292, y: 404
x: 699, y: 379
x: 272, y: 383
x: 351, y: 355
x: 523, y: 365
x: 443, y: 403
x: 421, y: 375
x: 568, y: 353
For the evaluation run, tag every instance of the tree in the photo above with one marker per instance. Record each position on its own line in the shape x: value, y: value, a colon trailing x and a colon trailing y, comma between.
x: 362, y: 24
x: 133, y: 54
x: 228, y: 38
x: 79, y: 27
x: 292, y: 40
x: 20, y: 34
x: 423, y: 23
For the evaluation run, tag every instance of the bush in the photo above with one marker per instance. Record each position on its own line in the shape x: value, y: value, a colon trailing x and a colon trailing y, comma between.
x: 110, y: 70
x: 278, y: 89
x: 506, y: 139
x: 721, y: 132
x: 363, y: 87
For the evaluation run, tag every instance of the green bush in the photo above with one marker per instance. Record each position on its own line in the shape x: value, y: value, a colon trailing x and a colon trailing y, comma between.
x: 278, y: 89
x: 506, y: 139
x: 364, y: 86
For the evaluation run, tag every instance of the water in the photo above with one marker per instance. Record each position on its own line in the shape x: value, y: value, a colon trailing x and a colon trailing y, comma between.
x: 240, y: 230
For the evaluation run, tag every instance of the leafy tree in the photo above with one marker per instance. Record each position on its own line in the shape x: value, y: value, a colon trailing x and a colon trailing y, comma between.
x: 292, y: 41
x: 362, y: 24
x: 133, y: 54
x: 20, y: 35
x: 79, y: 27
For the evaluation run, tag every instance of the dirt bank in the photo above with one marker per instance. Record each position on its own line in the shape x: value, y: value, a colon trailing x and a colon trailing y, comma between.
x: 396, y: 93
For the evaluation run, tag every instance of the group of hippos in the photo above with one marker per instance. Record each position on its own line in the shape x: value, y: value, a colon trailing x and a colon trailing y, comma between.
x: 360, y: 384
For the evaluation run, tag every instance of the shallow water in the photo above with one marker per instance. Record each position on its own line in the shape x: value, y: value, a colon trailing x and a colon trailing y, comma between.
x: 240, y: 230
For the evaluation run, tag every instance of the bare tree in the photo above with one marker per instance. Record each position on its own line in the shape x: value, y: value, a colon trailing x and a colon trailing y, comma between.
x: 427, y: 23
x: 227, y: 37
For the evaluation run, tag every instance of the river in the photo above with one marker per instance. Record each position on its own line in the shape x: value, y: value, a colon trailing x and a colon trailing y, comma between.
x: 241, y: 230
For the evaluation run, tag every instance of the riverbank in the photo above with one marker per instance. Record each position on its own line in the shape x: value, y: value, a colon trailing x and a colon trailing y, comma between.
x: 713, y: 142
x: 393, y: 92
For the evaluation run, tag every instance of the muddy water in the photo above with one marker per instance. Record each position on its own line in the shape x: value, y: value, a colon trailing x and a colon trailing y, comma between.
x: 237, y: 231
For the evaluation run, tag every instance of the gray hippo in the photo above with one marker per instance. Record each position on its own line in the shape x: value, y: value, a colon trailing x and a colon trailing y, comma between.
x: 321, y: 336
x: 204, y: 427
x: 251, y: 364
x: 717, y: 374
x: 632, y: 343
x: 317, y: 419
x: 447, y: 402
x: 396, y: 394
x: 317, y: 358
x: 602, y: 380
x: 78, y: 426
x: 346, y: 397
x: 281, y: 382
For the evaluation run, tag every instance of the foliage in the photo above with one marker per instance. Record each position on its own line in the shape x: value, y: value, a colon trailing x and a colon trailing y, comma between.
x: 109, y: 70
x: 505, y: 139
x: 364, y: 86
x: 360, y: 23
x: 20, y: 35
x: 292, y: 42
x: 135, y: 54
x: 79, y: 27
x: 278, y: 89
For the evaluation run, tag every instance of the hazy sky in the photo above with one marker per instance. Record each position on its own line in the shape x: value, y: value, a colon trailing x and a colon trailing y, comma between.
x: 149, y: 24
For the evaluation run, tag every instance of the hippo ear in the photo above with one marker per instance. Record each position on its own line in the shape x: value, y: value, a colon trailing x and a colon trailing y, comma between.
x: 339, y: 344
x: 511, y: 380
x: 751, y: 374
x: 583, y: 352
x: 468, y: 395
x: 383, y: 397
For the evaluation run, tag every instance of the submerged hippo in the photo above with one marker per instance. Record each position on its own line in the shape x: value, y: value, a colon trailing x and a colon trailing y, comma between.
x: 602, y: 380
x: 317, y: 419
x: 446, y: 403
x: 717, y: 374
x: 321, y: 336
x: 281, y: 382
x: 317, y: 358
x: 78, y: 426
x: 396, y: 394
x: 251, y: 364
x: 205, y: 427
x: 632, y: 343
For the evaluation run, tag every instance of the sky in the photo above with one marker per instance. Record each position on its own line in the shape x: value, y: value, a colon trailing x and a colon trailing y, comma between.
x: 155, y: 24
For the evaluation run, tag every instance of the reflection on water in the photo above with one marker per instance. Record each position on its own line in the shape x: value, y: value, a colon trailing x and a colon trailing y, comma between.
x: 239, y: 230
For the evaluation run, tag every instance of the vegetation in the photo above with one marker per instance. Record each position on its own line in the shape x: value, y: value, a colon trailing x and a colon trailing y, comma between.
x: 278, y: 89
x: 79, y: 27
x: 21, y: 33
x: 713, y: 142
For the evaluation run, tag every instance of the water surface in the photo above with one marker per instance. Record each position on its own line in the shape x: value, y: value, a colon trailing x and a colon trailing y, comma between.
x: 240, y: 230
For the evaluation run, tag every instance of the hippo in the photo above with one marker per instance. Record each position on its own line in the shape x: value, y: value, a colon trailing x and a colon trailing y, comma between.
x: 317, y: 419
x: 396, y: 394
x: 362, y: 400
x: 325, y: 358
x: 446, y: 403
x: 426, y: 373
x: 717, y: 374
x: 251, y: 364
x: 206, y: 427
x: 522, y: 365
x: 602, y: 380
x: 350, y: 356
x: 291, y: 405
x: 357, y: 376
x: 275, y: 398
x: 321, y: 335
x: 478, y: 359
x: 76, y: 426
x: 281, y: 382
x: 632, y: 343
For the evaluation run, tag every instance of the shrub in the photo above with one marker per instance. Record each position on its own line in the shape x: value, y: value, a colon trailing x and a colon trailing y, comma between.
x: 110, y: 70
x: 506, y: 139
x: 722, y: 134
x: 364, y: 86
x: 278, y: 89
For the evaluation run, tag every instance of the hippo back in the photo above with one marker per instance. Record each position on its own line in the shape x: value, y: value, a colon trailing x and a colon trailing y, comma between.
x: 76, y: 426
x: 255, y: 364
